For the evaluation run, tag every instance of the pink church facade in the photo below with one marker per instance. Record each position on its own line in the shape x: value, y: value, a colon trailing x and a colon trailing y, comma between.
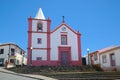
x: 61, y: 46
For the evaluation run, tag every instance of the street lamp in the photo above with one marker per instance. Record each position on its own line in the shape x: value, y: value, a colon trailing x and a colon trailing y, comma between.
x: 31, y: 56
x: 88, y: 50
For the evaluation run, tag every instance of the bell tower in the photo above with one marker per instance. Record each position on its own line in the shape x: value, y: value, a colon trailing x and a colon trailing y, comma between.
x: 38, y: 39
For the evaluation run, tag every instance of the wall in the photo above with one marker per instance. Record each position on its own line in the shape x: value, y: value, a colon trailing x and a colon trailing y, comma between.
x: 6, y: 51
x: 34, y: 40
x: 39, y: 50
x: 34, y: 25
x: 107, y: 65
x: 71, y: 42
x: 39, y: 53
x: 117, y: 57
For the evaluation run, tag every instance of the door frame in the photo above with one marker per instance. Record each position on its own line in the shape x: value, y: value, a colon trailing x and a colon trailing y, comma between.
x: 112, y: 62
x: 64, y: 58
x: 62, y: 49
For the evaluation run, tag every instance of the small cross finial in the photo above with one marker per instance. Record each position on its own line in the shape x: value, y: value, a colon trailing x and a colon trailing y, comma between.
x: 63, y: 19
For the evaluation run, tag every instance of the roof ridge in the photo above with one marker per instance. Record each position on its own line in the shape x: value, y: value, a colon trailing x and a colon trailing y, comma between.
x: 107, y: 48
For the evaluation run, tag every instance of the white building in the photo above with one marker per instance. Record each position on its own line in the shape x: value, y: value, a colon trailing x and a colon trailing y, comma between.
x: 107, y: 59
x: 61, y: 46
x: 13, y: 54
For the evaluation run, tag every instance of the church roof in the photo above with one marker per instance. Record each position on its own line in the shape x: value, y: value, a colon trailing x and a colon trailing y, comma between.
x: 40, y: 14
x: 65, y: 25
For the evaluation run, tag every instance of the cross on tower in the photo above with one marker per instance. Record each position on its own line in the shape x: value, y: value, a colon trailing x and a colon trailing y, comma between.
x: 63, y: 19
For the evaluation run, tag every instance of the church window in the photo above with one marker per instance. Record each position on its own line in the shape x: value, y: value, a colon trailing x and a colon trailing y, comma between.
x: 39, y: 58
x: 39, y: 27
x: 39, y: 41
x: 63, y: 39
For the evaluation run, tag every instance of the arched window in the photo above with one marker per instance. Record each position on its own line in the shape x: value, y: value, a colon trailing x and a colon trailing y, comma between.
x: 39, y: 27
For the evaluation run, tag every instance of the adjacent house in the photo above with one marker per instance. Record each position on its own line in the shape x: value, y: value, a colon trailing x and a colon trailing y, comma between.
x: 61, y: 46
x: 107, y: 59
x: 12, y: 54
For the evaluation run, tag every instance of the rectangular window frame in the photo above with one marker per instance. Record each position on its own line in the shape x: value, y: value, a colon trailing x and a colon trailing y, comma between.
x: 12, y: 51
x: 21, y: 53
x: 1, y: 61
x: 112, y: 59
x: 39, y: 58
x: 95, y: 56
x: 104, y: 58
x: 39, y: 40
x: 1, y: 51
x: 64, y: 43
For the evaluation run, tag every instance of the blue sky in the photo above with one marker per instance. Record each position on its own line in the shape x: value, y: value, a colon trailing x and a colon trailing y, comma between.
x: 97, y: 20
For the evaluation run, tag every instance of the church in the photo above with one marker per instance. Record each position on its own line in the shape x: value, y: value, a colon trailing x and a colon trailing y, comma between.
x: 58, y: 47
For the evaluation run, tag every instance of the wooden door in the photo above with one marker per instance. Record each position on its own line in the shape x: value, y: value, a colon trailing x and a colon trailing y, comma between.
x: 64, y: 58
x: 112, y: 59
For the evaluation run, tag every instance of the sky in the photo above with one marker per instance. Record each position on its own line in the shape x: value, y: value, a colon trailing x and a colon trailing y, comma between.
x: 97, y: 20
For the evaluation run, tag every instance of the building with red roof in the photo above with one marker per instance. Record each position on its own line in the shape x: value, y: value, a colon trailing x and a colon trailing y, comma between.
x: 107, y: 58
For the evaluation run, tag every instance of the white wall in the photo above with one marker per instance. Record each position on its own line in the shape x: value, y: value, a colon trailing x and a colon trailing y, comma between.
x: 34, y: 25
x: 96, y: 61
x: 19, y: 58
x: 56, y: 41
x: 35, y: 36
x: 106, y: 64
x: 6, y: 51
x: 39, y: 53
x: 117, y: 58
